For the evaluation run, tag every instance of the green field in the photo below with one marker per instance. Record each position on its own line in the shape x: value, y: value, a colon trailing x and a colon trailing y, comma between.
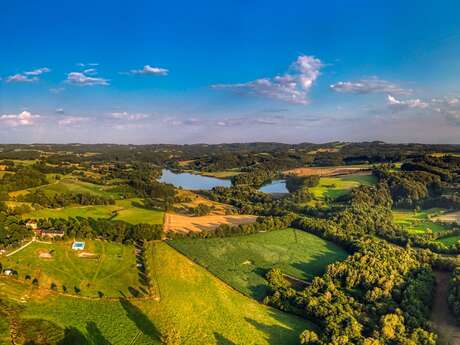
x: 449, y: 241
x: 109, y: 268
x: 69, y: 185
x: 334, y: 187
x: 98, y: 211
x: 122, y: 210
x: 243, y: 261
x: 199, y: 306
x: 418, y: 221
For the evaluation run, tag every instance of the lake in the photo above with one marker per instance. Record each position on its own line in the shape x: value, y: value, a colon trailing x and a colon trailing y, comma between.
x: 275, y: 187
x: 193, y: 181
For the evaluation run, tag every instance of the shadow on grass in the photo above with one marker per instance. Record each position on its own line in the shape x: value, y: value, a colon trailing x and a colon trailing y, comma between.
x: 94, y: 334
x: 73, y: 336
x: 221, y: 340
x: 141, y: 320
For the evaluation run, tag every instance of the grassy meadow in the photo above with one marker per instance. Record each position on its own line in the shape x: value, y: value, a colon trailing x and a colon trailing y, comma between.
x: 334, y: 187
x: 103, y: 267
x: 243, y: 261
x: 450, y: 240
x: 199, y: 306
x: 418, y: 221
x: 124, y: 210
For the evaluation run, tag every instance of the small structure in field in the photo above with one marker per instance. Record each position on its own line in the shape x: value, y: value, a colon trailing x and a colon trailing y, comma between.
x: 9, y: 272
x: 78, y: 245
x: 32, y: 224
x: 51, y: 233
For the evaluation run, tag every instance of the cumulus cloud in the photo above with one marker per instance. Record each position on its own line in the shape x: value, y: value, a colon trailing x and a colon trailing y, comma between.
x: 24, y: 118
x: 291, y: 87
x: 124, y: 115
x: 150, y: 70
x: 406, y: 104
x: 82, y: 79
x: 28, y: 76
x: 371, y: 85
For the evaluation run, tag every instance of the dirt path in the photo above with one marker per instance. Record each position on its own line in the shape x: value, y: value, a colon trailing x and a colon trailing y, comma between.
x: 444, y: 322
x: 22, y: 247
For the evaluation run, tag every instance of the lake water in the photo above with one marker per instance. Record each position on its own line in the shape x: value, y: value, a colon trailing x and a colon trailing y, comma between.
x: 276, y: 186
x: 193, y: 181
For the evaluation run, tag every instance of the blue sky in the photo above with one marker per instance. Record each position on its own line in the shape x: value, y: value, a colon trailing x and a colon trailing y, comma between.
x: 228, y: 71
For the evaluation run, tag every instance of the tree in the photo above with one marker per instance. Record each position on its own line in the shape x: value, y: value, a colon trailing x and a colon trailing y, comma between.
x: 308, y: 337
x: 170, y: 336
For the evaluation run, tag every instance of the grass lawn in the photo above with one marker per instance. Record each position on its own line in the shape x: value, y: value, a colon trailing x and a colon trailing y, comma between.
x: 451, y: 240
x: 417, y: 222
x: 199, y: 306
x: 109, y: 267
x: 243, y: 261
x: 136, y: 215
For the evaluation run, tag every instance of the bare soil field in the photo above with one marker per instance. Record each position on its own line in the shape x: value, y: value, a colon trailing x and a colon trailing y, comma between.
x: 450, y: 217
x: 180, y: 223
x: 326, y: 171
x: 444, y: 322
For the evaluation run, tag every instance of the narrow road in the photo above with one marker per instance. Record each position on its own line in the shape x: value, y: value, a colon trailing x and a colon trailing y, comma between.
x: 443, y: 320
x: 22, y: 247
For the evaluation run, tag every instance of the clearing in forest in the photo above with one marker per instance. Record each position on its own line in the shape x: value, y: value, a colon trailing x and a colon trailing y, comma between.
x: 449, y: 217
x: 243, y: 261
x: 328, y: 171
x: 418, y: 221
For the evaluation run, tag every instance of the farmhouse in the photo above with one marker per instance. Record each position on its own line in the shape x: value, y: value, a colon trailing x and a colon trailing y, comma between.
x: 51, y: 233
x: 32, y: 224
x: 78, y: 245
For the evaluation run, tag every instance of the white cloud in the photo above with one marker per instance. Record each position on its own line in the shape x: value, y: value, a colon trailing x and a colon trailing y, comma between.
x: 72, y: 121
x: 292, y: 87
x: 59, y: 111
x: 38, y: 71
x: 124, y: 115
x: 28, y: 76
x: 20, y: 78
x: 407, y: 104
x: 90, y: 71
x: 371, y: 85
x: 79, y: 78
x: 24, y: 118
x: 147, y: 69
x: 80, y: 64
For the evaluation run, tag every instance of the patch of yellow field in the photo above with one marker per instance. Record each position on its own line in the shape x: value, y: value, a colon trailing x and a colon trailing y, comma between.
x: 326, y: 171
x: 196, y: 199
x: 450, y: 217
x: 185, y: 224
